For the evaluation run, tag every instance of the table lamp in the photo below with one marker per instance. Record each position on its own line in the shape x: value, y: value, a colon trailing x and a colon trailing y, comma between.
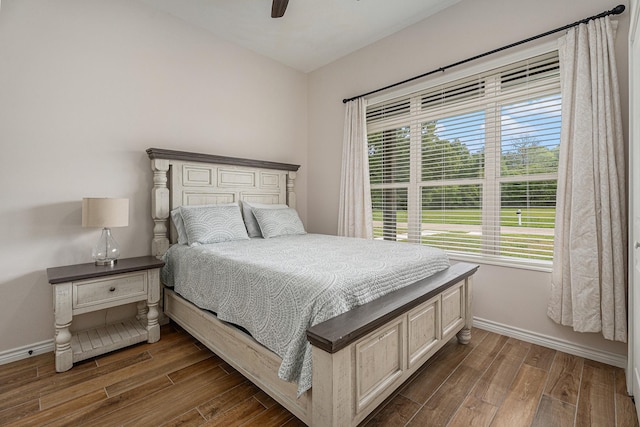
x: 105, y: 213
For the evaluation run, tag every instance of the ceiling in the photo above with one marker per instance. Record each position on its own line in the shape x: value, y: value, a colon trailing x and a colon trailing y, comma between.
x: 312, y: 33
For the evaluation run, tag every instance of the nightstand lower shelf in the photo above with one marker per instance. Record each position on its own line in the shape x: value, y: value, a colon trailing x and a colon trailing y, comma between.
x: 96, y: 341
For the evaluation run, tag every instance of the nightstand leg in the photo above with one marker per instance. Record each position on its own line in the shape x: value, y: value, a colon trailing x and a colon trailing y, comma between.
x: 153, y: 327
x: 64, y: 356
x: 63, y: 315
x: 142, y: 311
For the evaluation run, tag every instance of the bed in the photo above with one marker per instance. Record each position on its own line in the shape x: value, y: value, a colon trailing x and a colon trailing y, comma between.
x: 359, y: 357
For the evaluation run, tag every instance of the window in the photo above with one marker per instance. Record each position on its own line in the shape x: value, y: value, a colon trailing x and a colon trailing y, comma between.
x: 471, y: 166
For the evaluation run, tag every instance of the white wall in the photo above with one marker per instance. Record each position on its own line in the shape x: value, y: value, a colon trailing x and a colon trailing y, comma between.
x: 509, y: 296
x: 85, y: 87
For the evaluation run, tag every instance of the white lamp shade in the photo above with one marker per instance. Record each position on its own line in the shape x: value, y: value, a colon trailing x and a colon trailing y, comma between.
x: 105, y: 212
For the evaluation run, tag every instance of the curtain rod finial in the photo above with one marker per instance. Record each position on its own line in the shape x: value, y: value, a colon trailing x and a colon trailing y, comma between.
x: 618, y: 9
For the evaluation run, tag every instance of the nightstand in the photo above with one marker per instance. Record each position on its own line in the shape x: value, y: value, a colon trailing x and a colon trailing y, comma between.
x: 84, y: 288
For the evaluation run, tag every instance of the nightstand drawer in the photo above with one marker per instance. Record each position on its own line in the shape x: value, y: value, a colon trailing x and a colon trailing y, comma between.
x: 108, y: 292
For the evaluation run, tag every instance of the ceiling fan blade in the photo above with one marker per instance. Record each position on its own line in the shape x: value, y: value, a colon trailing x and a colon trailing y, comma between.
x: 278, y: 7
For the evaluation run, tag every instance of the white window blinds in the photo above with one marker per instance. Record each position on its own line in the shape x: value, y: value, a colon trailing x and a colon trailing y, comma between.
x: 471, y: 166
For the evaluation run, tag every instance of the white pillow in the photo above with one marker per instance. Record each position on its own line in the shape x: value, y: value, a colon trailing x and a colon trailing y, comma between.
x: 176, y: 217
x: 278, y: 222
x: 213, y: 224
x: 253, y: 229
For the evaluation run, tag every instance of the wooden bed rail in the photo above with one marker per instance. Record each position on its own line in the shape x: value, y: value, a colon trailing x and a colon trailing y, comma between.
x: 336, y: 333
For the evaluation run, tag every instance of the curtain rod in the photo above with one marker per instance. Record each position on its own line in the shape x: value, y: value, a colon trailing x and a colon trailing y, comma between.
x: 615, y: 11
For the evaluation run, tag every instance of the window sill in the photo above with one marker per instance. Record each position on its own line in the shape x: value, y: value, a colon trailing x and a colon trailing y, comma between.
x: 545, y: 266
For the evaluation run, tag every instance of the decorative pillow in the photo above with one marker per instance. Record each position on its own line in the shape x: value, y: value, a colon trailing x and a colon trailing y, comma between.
x: 213, y: 224
x: 253, y: 229
x: 176, y: 217
x: 278, y: 222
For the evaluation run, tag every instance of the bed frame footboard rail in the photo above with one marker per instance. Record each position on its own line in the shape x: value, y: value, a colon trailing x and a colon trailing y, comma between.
x: 361, y: 357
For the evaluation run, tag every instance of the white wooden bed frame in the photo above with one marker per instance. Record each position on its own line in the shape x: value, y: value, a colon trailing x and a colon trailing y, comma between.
x: 360, y: 357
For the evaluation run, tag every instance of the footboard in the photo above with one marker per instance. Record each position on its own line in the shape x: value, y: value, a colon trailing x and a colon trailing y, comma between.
x: 361, y: 357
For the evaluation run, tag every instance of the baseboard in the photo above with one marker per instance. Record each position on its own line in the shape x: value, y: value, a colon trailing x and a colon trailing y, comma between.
x: 30, y: 350
x: 607, y: 357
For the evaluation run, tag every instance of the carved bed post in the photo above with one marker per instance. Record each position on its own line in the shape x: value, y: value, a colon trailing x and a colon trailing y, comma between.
x: 160, y: 207
x: 291, y: 195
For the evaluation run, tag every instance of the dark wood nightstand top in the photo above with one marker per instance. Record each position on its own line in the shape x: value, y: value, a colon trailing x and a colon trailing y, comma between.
x: 70, y: 273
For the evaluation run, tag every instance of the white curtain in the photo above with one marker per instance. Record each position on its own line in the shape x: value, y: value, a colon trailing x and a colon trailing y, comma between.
x: 589, y: 279
x: 355, y: 216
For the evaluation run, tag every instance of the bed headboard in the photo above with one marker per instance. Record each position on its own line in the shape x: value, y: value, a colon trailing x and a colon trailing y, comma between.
x: 182, y: 178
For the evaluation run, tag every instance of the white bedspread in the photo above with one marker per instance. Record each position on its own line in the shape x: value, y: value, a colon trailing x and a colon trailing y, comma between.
x: 277, y: 288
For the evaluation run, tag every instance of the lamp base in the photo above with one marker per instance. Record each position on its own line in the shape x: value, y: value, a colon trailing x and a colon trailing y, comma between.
x: 106, y: 251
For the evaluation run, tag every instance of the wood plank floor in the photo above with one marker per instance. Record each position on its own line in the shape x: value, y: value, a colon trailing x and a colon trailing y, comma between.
x: 493, y: 381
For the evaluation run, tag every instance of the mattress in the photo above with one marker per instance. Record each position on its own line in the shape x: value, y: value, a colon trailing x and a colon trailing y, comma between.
x: 277, y: 288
